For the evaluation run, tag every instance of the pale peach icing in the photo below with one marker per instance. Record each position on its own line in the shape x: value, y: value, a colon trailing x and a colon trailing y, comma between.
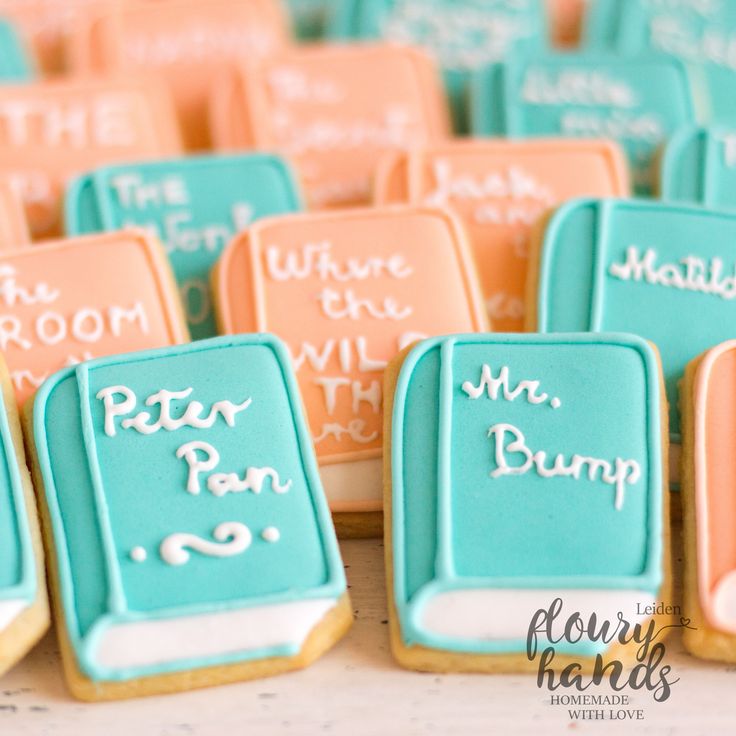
x: 13, y: 225
x: 189, y: 44
x: 334, y: 111
x: 67, y: 301
x: 347, y: 291
x: 715, y: 485
x: 500, y: 189
x: 51, y: 131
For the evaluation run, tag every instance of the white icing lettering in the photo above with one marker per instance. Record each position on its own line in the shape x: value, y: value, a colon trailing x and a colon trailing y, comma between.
x: 618, y: 473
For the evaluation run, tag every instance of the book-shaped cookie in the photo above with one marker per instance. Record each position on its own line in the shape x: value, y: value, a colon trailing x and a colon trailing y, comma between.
x: 193, y: 205
x: 709, y: 503
x: 323, y: 107
x: 461, y: 35
x: 24, y: 612
x: 346, y: 292
x: 51, y: 131
x: 663, y: 271
x: 700, y: 34
x: 188, y: 43
x: 518, y: 464
x: 500, y: 189
x: 13, y: 225
x: 190, y: 540
x: 636, y: 101
x: 15, y: 65
x: 67, y: 301
x: 699, y: 166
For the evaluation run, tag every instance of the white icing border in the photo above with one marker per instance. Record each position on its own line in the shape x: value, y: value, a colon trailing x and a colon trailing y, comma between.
x: 150, y: 643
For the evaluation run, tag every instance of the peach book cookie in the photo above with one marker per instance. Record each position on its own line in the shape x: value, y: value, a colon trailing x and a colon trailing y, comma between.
x: 190, y: 542
x: 322, y: 107
x: 347, y: 291
x: 13, y: 225
x: 515, y: 466
x: 500, y: 189
x: 68, y: 301
x: 189, y: 43
x: 709, y: 502
x: 50, y: 131
x: 24, y: 611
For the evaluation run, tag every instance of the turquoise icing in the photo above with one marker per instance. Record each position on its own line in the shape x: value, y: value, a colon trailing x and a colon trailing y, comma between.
x: 637, y: 101
x: 701, y: 34
x: 699, y: 166
x: 463, y: 34
x: 457, y: 528
x: 310, y: 17
x: 17, y: 569
x: 15, y: 64
x: 195, y: 205
x: 109, y: 494
x: 577, y: 291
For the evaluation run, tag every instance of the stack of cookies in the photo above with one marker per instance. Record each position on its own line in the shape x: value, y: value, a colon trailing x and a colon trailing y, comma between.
x: 452, y: 272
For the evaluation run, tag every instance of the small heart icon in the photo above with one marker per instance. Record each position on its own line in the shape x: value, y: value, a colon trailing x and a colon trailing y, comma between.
x: 685, y: 622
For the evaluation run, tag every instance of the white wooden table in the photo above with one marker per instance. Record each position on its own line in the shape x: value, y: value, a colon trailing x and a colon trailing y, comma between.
x: 357, y: 689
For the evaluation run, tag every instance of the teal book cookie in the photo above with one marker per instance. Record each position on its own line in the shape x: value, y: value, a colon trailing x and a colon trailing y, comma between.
x: 702, y: 34
x: 699, y: 166
x: 15, y: 63
x: 462, y: 35
x: 186, y: 515
x: 519, y: 463
x: 638, y: 102
x: 193, y: 205
x: 310, y: 17
x: 23, y: 606
x: 666, y: 272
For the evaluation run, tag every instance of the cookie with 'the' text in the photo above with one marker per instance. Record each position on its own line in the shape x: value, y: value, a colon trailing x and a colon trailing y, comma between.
x: 324, y: 109
x: 51, y: 131
x: 193, y: 205
x: 347, y: 291
x: 71, y: 300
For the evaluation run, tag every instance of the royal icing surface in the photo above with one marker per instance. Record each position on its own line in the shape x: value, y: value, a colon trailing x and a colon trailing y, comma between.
x: 187, y: 42
x: 636, y: 101
x: 500, y: 189
x: 461, y: 35
x: 18, y: 581
x: 346, y: 292
x: 54, y: 313
x: 13, y: 225
x: 194, y: 206
x: 14, y: 62
x: 699, y: 166
x: 51, y: 131
x: 508, y: 490
x: 715, y: 480
x: 154, y: 577
x: 701, y: 33
x: 320, y: 106
x: 663, y: 271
